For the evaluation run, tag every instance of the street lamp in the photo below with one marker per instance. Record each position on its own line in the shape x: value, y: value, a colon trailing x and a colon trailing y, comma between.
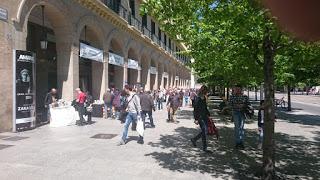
x: 43, y: 40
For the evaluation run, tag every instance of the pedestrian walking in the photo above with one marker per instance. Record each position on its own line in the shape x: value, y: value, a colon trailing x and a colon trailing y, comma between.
x: 146, y: 106
x: 107, y: 99
x: 173, y: 105
x: 81, y: 98
x: 239, y: 104
x: 88, y: 107
x: 133, y: 108
x: 51, y: 98
x: 201, y: 116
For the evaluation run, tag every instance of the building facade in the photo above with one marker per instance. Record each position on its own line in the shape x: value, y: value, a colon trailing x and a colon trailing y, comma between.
x: 94, y: 45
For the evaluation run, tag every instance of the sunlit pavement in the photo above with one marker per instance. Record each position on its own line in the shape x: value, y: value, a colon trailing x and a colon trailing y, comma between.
x: 70, y: 152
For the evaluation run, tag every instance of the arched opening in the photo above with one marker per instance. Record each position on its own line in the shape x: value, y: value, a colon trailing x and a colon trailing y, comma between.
x: 153, y: 75
x: 144, y: 71
x: 45, y: 23
x: 165, y: 76
x: 91, y: 61
x: 116, y: 62
x: 160, y: 76
x: 133, y: 67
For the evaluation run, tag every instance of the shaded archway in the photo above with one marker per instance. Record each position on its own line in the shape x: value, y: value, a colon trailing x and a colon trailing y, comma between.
x: 166, y: 80
x: 160, y: 76
x: 91, y: 70
x: 133, y: 67
x: 53, y: 62
x: 144, y: 71
x: 115, y: 69
x: 153, y: 74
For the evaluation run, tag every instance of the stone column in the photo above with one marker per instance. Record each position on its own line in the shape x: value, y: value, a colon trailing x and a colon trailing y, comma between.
x: 68, y: 68
x: 155, y: 86
x: 125, y: 71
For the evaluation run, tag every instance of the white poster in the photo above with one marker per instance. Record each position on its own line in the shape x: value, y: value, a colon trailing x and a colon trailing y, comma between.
x: 165, y: 74
x: 153, y: 70
x: 90, y: 52
x: 132, y: 64
x: 115, y: 59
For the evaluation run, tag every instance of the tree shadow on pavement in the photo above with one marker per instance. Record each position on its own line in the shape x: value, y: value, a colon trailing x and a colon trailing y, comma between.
x: 305, y: 119
x: 296, y: 158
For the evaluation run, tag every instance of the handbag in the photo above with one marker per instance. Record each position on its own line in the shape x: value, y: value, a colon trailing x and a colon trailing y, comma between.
x: 140, y: 127
x: 89, y: 108
x: 212, y: 129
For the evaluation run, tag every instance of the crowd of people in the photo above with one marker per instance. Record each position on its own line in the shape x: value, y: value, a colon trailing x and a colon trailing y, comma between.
x: 130, y: 104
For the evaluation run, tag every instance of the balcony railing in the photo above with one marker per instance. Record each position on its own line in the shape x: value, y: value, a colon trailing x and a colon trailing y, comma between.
x: 126, y: 15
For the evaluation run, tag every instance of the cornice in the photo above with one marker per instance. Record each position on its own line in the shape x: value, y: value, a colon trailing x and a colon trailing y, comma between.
x: 109, y: 15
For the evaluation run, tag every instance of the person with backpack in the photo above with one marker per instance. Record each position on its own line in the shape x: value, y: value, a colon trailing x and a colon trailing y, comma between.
x: 201, y: 116
x: 133, y: 109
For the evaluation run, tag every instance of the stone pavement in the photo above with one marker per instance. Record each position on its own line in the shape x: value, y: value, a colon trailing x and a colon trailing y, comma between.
x: 70, y: 152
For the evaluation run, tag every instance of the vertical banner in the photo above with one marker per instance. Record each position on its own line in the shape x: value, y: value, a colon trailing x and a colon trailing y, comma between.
x: 24, y: 116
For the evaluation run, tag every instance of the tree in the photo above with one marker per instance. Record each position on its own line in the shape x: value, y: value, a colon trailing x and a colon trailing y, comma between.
x: 232, y: 42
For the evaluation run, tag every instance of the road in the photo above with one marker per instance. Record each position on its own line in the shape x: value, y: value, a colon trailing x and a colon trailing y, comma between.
x: 309, y: 104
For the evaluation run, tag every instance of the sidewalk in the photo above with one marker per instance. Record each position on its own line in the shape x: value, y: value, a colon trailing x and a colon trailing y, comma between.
x: 70, y: 153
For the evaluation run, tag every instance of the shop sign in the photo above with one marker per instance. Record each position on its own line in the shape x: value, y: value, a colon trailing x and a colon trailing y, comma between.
x: 177, y: 78
x: 24, y: 89
x: 3, y: 14
x: 90, y: 52
x: 153, y: 70
x: 165, y: 75
x: 115, y: 59
x: 132, y: 64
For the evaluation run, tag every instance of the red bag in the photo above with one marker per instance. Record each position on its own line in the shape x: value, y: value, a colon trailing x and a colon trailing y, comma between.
x: 212, y: 129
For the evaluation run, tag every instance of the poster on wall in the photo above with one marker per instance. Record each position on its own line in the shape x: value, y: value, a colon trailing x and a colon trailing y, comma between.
x: 24, y: 76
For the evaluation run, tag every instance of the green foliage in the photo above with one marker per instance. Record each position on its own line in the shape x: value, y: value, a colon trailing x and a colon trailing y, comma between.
x: 226, y: 40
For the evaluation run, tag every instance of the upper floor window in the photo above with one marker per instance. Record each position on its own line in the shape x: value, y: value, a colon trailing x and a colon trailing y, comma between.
x: 165, y: 39
x: 159, y: 33
x: 153, y: 27
x: 144, y: 21
x: 133, y: 8
x: 113, y: 4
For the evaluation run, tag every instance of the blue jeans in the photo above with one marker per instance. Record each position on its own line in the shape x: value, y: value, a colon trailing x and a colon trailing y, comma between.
x: 238, y: 118
x: 131, y: 117
x: 186, y: 100
x: 203, y: 134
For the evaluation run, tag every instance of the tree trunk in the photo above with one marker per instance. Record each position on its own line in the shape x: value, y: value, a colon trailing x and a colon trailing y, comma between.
x: 248, y: 92
x: 269, y: 115
x: 256, y: 93
x: 228, y: 93
x: 289, y: 98
x: 224, y: 91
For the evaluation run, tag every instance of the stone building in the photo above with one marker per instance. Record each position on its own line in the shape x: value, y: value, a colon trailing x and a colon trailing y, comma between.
x: 130, y: 49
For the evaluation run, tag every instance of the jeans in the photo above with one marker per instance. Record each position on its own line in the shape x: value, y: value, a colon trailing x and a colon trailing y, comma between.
x: 81, y: 112
x: 143, y: 116
x: 107, y: 112
x: 159, y: 102
x: 131, y: 117
x: 203, y: 134
x: 186, y: 100
x: 238, y: 118
x: 261, y: 134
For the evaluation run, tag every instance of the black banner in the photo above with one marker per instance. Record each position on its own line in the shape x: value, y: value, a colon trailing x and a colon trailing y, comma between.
x: 25, y: 89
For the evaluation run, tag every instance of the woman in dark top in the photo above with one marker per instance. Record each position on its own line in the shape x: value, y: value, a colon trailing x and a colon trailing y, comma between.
x: 201, y: 115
